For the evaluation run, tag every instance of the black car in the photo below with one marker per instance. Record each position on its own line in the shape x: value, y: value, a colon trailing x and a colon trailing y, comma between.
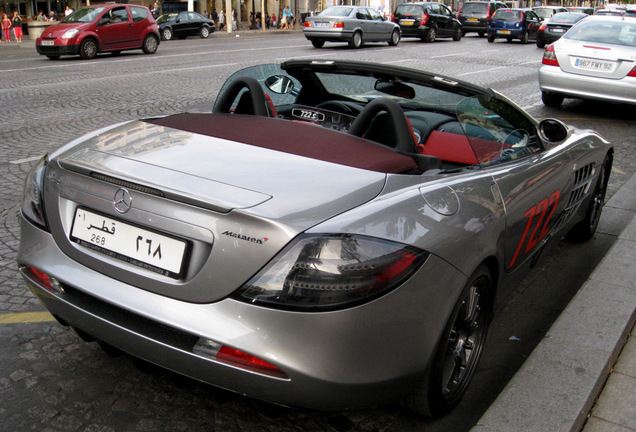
x: 184, y: 24
x: 427, y: 21
x: 475, y: 15
x: 557, y: 26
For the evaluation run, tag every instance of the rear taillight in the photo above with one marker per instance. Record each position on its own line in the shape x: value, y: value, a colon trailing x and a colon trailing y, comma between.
x: 424, y: 19
x: 549, y: 57
x: 392, y: 17
x: 307, y: 24
x: 632, y: 73
x: 542, y: 27
x: 338, y: 24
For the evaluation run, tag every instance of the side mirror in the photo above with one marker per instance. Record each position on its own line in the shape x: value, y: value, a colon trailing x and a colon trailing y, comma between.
x: 553, y: 131
x: 395, y: 89
x: 280, y: 84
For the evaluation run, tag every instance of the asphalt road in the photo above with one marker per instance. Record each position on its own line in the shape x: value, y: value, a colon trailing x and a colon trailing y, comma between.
x: 51, y: 380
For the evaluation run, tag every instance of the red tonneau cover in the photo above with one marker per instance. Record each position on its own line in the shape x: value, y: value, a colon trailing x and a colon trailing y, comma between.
x: 299, y: 138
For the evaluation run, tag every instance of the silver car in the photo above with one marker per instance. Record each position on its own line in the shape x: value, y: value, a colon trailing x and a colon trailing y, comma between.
x: 353, y: 24
x: 334, y: 234
x: 595, y: 59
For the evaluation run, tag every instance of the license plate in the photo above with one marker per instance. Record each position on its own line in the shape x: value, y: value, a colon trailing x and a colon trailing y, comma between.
x: 47, y: 43
x: 407, y: 22
x: 598, y: 65
x: 143, y: 248
x: 557, y: 30
x: 473, y: 19
x: 322, y: 24
x: 503, y: 31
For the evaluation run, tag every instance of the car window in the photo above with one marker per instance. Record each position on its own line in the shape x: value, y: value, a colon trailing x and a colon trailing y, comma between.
x: 443, y: 10
x: 138, y: 13
x: 406, y: 10
x: 85, y: 15
x: 336, y: 11
x: 475, y: 8
x: 183, y: 16
x: 611, y: 32
x: 531, y: 16
x: 193, y: 16
x: 507, y: 15
x: 433, y: 9
x: 117, y: 15
x: 375, y: 15
x: 362, y: 14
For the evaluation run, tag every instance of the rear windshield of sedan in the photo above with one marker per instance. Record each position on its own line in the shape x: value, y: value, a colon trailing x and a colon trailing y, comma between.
x: 84, y: 15
x: 475, y: 8
x: 567, y: 17
x: 336, y: 11
x: 508, y: 15
x: 610, y: 32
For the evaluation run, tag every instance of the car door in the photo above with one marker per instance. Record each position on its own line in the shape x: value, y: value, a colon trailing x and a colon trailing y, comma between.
x: 194, y: 24
x: 181, y: 26
x: 115, y: 29
x: 363, y: 21
x: 532, y: 184
x: 532, y: 22
x: 444, y: 19
x: 381, y: 29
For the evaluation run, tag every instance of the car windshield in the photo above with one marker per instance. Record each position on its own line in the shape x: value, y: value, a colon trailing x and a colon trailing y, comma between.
x: 543, y: 13
x: 336, y: 11
x: 406, y: 10
x: 167, y: 17
x: 507, y: 15
x: 566, y: 17
x: 610, y: 32
x: 84, y: 15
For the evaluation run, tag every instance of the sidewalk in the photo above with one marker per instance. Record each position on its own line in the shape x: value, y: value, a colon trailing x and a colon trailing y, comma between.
x: 565, y: 379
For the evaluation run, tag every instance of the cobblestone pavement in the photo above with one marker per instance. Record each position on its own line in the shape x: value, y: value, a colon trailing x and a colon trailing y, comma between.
x: 50, y: 380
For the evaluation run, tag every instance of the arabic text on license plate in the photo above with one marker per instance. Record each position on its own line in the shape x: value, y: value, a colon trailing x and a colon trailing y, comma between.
x: 503, y: 31
x: 143, y: 248
x: 47, y: 43
x: 322, y: 24
x: 407, y: 22
x: 599, y: 65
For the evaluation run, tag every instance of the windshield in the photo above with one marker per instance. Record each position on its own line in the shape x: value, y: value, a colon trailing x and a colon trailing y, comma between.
x: 84, y: 15
x: 543, y: 13
x: 567, y: 17
x: 507, y: 15
x: 336, y: 11
x: 475, y: 8
x: 610, y: 32
x: 167, y: 17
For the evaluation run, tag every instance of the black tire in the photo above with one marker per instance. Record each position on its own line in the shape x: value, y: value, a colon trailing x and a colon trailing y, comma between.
x: 317, y: 43
x: 150, y: 44
x: 205, y: 32
x: 166, y: 34
x: 553, y: 100
x: 509, y: 39
x: 431, y: 35
x: 458, y: 351
x: 356, y: 40
x: 540, y: 43
x: 395, y: 38
x: 458, y: 34
x: 88, y: 49
x: 115, y: 53
x: 524, y: 38
x: 53, y: 57
x: 491, y: 38
x: 481, y: 33
x: 584, y: 230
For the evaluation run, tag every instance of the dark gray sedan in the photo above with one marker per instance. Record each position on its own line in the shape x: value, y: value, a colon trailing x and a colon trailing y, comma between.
x: 353, y: 24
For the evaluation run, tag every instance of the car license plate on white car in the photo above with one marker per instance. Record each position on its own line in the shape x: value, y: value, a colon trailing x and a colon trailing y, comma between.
x: 147, y: 249
x: 599, y: 65
x: 47, y: 43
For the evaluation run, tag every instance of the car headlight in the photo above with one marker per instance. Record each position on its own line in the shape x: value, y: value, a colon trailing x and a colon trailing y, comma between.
x: 32, y: 207
x: 70, y: 34
x: 328, y: 272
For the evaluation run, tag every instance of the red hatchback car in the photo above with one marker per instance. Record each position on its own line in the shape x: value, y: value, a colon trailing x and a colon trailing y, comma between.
x: 101, y: 28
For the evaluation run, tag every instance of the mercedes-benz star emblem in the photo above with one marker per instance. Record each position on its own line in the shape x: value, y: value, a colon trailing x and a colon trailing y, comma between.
x: 122, y: 201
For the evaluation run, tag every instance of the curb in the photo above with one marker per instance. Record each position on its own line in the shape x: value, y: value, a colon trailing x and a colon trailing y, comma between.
x: 557, y: 385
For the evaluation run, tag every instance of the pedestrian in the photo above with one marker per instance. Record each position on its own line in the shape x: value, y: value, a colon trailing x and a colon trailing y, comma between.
x: 283, y: 19
x: 68, y: 11
x: 215, y: 17
x: 52, y: 16
x: 41, y: 17
x: 17, y: 26
x: 155, y: 10
x: 274, y: 20
x: 234, y: 19
x: 6, y: 28
x: 290, y: 19
x: 221, y: 20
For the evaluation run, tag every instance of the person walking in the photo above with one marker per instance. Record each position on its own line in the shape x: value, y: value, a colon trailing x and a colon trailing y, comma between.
x: 16, y: 22
x: 290, y: 19
x: 221, y: 20
x: 6, y: 28
x: 234, y: 19
x: 283, y: 19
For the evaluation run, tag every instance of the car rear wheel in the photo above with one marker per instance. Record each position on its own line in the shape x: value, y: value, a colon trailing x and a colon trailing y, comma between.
x: 431, y: 35
x: 540, y: 43
x: 481, y: 33
x: 553, y: 100
x: 166, y: 34
x: 150, y: 44
x: 356, y: 40
x: 524, y: 38
x: 458, y: 34
x: 458, y: 351
x: 318, y: 43
x: 205, y: 32
x: 584, y: 230
x: 88, y: 48
x: 395, y: 38
x: 491, y: 38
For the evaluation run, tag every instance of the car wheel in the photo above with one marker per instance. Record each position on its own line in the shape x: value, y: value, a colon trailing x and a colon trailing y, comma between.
x: 395, y: 38
x: 481, y: 33
x: 150, y: 44
x: 115, y: 53
x: 584, y: 230
x: 524, y: 38
x: 205, y: 32
x: 88, y: 48
x: 431, y: 35
x: 53, y: 57
x: 317, y: 43
x: 553, y: 100
x: 356, y: 40
x: 458, y: 350
x: 540, y: 43
x: 458, y: 34
x: 491, y: 38
x: 509, y: 39
x: 166, y: 34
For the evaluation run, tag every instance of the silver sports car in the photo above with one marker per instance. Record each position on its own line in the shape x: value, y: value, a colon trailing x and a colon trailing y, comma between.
x: 353, y: 24
x: 334, y: 234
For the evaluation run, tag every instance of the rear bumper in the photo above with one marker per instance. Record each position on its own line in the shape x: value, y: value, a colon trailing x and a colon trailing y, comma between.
x: 336, y: 35
x: 420, y: 31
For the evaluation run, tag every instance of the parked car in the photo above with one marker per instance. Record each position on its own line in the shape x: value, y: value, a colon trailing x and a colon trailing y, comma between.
x: 545, y: 12
x: 100, y: 28
x: 585, y: 10
x: 427, y: 21
x: 475, y: 15
x: 184, y: 24
x: 556, y: 27
x: 594, y: 60
x: 355, y: 25
x: 522, y: 24
x: 614, y: 12
x: 312, y: 248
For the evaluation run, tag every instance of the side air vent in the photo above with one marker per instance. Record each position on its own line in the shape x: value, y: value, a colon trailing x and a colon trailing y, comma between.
x: 582, y: 181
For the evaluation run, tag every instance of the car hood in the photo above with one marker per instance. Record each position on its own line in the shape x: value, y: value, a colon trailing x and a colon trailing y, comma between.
x: 223, y: 175
x: 57, y: 30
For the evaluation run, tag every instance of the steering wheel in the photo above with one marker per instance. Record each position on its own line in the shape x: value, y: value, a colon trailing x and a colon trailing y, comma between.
x: 257, y: 101
x: 337, y: 106
x: 404, y: 138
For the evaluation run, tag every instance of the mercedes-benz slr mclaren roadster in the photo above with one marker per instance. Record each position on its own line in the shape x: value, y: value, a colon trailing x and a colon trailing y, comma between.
x: 333, y: 235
